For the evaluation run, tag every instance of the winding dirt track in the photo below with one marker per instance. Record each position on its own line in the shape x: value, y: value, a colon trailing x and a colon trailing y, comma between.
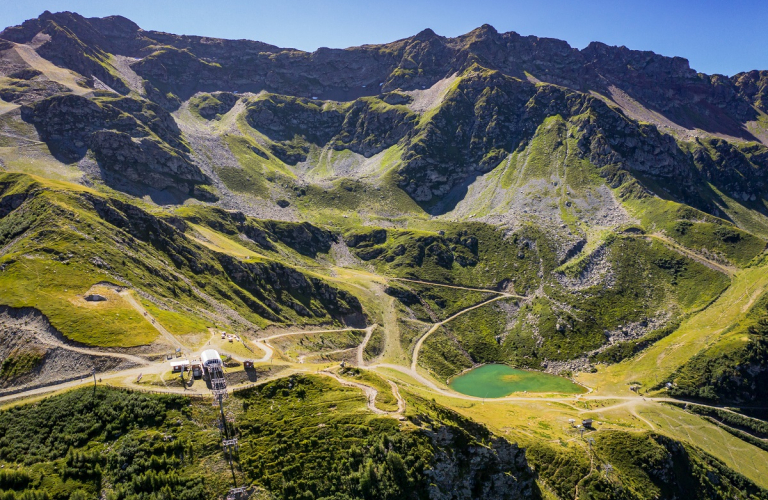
x: 303, y: 357
x: 263, y: 343
x: 269, y: 351
x: 92, y: 352
x: 673, y: 245
x: 370, y: 394
x: 309, y: 332
x: 458, y: 287
x: 361, y: 347
x: 437, y: 325
x: 52, y: 341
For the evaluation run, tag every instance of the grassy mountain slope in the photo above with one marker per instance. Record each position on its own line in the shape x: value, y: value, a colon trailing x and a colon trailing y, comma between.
x: 57, y: 243
x: 77, y: 445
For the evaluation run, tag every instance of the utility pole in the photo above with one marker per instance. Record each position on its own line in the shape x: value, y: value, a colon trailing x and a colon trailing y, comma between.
x: 229, y: 443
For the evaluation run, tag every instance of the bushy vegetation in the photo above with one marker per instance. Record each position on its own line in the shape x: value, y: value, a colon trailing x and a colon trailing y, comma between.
x: 304, y: 439
x: 46, y: 430
x: 561, y: 469
x: 751, y: 425
x: 278, y: 239
x: 480, y: 331
x: 365, y: 126
x: 385, y: 399
x: 348, y: 198
x: 375, y: 345
x: 440, y: 302
x: 211, y: 106
x: 442, y: 354
x: 410, y: 332
x: 308, y: 437
x: 372, y: 172
x: 624, y: 465
x: 317, y: 343
x: 623, y: 350
x: 652, y: 464
x: 468, y: 254
x: 20, y: 362
x: 705, y: 234
x: 646, y: 279
x: 753, y: 431
x: 81, y: 443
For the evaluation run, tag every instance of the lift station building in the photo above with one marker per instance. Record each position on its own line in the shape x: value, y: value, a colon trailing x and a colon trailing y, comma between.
x: 210, y: 359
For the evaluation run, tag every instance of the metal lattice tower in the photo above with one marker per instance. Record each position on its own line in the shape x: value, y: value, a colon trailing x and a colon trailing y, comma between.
x: 229, y: 443
x: 218, y: 384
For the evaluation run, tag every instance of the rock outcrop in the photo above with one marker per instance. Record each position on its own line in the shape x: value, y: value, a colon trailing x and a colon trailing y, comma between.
x: 132, y: 140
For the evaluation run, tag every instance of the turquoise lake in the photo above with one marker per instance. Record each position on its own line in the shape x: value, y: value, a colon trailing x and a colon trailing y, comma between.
x: 495, y: 381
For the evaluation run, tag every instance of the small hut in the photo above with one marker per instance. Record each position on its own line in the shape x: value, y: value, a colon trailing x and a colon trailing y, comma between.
x: 179, y: 365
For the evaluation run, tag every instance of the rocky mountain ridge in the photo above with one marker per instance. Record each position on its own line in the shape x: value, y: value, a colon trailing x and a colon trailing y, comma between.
x: 186, y: 64
x: 504, y: 86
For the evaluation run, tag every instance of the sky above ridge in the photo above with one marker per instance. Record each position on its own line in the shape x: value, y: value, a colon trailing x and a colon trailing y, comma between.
x: 716, y: 36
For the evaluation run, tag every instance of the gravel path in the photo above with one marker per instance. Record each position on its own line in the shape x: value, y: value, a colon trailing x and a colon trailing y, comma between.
x: 126, y: 294
x: 370, y: 394
x: 437, y: 325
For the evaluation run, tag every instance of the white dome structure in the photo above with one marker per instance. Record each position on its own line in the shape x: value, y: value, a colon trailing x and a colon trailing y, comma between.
x: 210, y: 358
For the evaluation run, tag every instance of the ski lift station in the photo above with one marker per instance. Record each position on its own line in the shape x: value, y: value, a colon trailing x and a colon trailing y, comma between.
x: 211, y: 359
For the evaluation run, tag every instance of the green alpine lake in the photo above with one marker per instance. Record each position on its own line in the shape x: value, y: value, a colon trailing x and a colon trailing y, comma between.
x: 496, y: 381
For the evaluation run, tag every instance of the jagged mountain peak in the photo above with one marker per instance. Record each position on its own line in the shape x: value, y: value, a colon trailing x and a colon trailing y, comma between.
x: 645, y: 78
x: 425, y: 35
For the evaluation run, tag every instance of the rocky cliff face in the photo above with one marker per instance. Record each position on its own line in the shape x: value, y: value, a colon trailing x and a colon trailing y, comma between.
x: 186, y: 64
x: 476, y: 471
x: 470, y: 462
x: 135, y: 140
x: 358, y: 99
